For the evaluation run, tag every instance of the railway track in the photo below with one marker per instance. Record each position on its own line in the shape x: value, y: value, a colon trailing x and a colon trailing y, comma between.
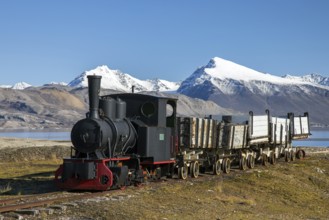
x: 9, y: 201
x: 41, y: 200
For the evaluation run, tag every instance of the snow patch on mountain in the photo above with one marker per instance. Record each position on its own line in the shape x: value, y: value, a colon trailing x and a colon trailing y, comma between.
x: 310, y: 78
x: 18, y: 86
x: 224, y: 69
x: 56, y: 83
x: 5, y: 86
x: 21, y: 86
x: 117, y: 80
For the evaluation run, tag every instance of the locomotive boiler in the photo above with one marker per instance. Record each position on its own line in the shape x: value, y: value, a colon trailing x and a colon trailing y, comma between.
x: 105, y: 135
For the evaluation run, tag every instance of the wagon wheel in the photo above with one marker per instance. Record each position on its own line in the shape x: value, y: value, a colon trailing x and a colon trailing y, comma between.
x: 272, y: 158
x: 292, y: 155
x: 243, y: 163
x: 216, y: 168
x: 194, y: 168
x: 287, y: 156
x: 251, y: 161
x: 300, y: 154
x: 182, y: 172
x: 226, y: 165
x: 264, y: 160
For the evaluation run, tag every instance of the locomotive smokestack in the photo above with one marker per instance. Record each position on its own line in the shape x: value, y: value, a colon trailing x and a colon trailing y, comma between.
x: 94, y: 85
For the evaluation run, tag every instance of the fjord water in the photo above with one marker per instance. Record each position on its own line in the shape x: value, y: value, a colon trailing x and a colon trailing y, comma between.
x: 319, y: 138
x: 59, y: 136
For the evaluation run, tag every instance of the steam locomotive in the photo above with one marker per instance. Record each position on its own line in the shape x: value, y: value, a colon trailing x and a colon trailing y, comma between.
x: 127, y: 138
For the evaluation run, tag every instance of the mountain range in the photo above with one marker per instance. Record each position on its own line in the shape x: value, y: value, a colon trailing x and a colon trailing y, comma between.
x: 234, y: 86
x: 218, y: 71
x: 54, y: 107
x: 123, y: 82
x: 229, y: 85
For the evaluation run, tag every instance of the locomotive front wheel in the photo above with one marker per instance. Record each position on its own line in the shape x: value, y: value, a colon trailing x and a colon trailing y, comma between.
x: 216, y: 168
x: 226, y: 165
x: 182, y: 172
x: 251, y: 161
x: 195, y: 169
x: 243, y: 163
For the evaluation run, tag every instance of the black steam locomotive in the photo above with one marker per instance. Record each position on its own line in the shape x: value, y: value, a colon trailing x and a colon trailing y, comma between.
x: 122, y: 137
x: 126, y: 138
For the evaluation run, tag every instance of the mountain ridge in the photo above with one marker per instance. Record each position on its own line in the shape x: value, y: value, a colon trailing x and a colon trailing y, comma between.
x: 229, y: 85
x: 117, y: 80
x: 228, y: 76
x: 59, y: 107
x: 240, y: 88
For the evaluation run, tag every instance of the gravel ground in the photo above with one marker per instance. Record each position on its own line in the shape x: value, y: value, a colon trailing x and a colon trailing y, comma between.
x: 296, y: 190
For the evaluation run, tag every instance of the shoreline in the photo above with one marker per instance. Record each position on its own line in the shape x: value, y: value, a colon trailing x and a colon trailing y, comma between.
x: 16, y: 142
x: 23, y: 130
x: 21, y: 143
x: 68, y: 129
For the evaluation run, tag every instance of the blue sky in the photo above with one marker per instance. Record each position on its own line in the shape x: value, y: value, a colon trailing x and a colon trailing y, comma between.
x: 43, y: 41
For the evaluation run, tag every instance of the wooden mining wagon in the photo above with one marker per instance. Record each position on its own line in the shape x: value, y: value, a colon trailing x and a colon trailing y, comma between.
x: 208, y: 145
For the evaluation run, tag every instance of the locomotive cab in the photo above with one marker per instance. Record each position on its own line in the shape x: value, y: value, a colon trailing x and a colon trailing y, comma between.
x: 154, y: 121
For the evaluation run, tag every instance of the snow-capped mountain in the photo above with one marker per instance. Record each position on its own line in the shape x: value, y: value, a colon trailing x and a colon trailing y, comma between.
x: 311, y: 78
x: 226, y: 83
x: 116, y: 80
x: 18, y: 86
x: 231, y: 85
x: 229, y: 78
x: 56, y: 83
x: 21, y: 86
